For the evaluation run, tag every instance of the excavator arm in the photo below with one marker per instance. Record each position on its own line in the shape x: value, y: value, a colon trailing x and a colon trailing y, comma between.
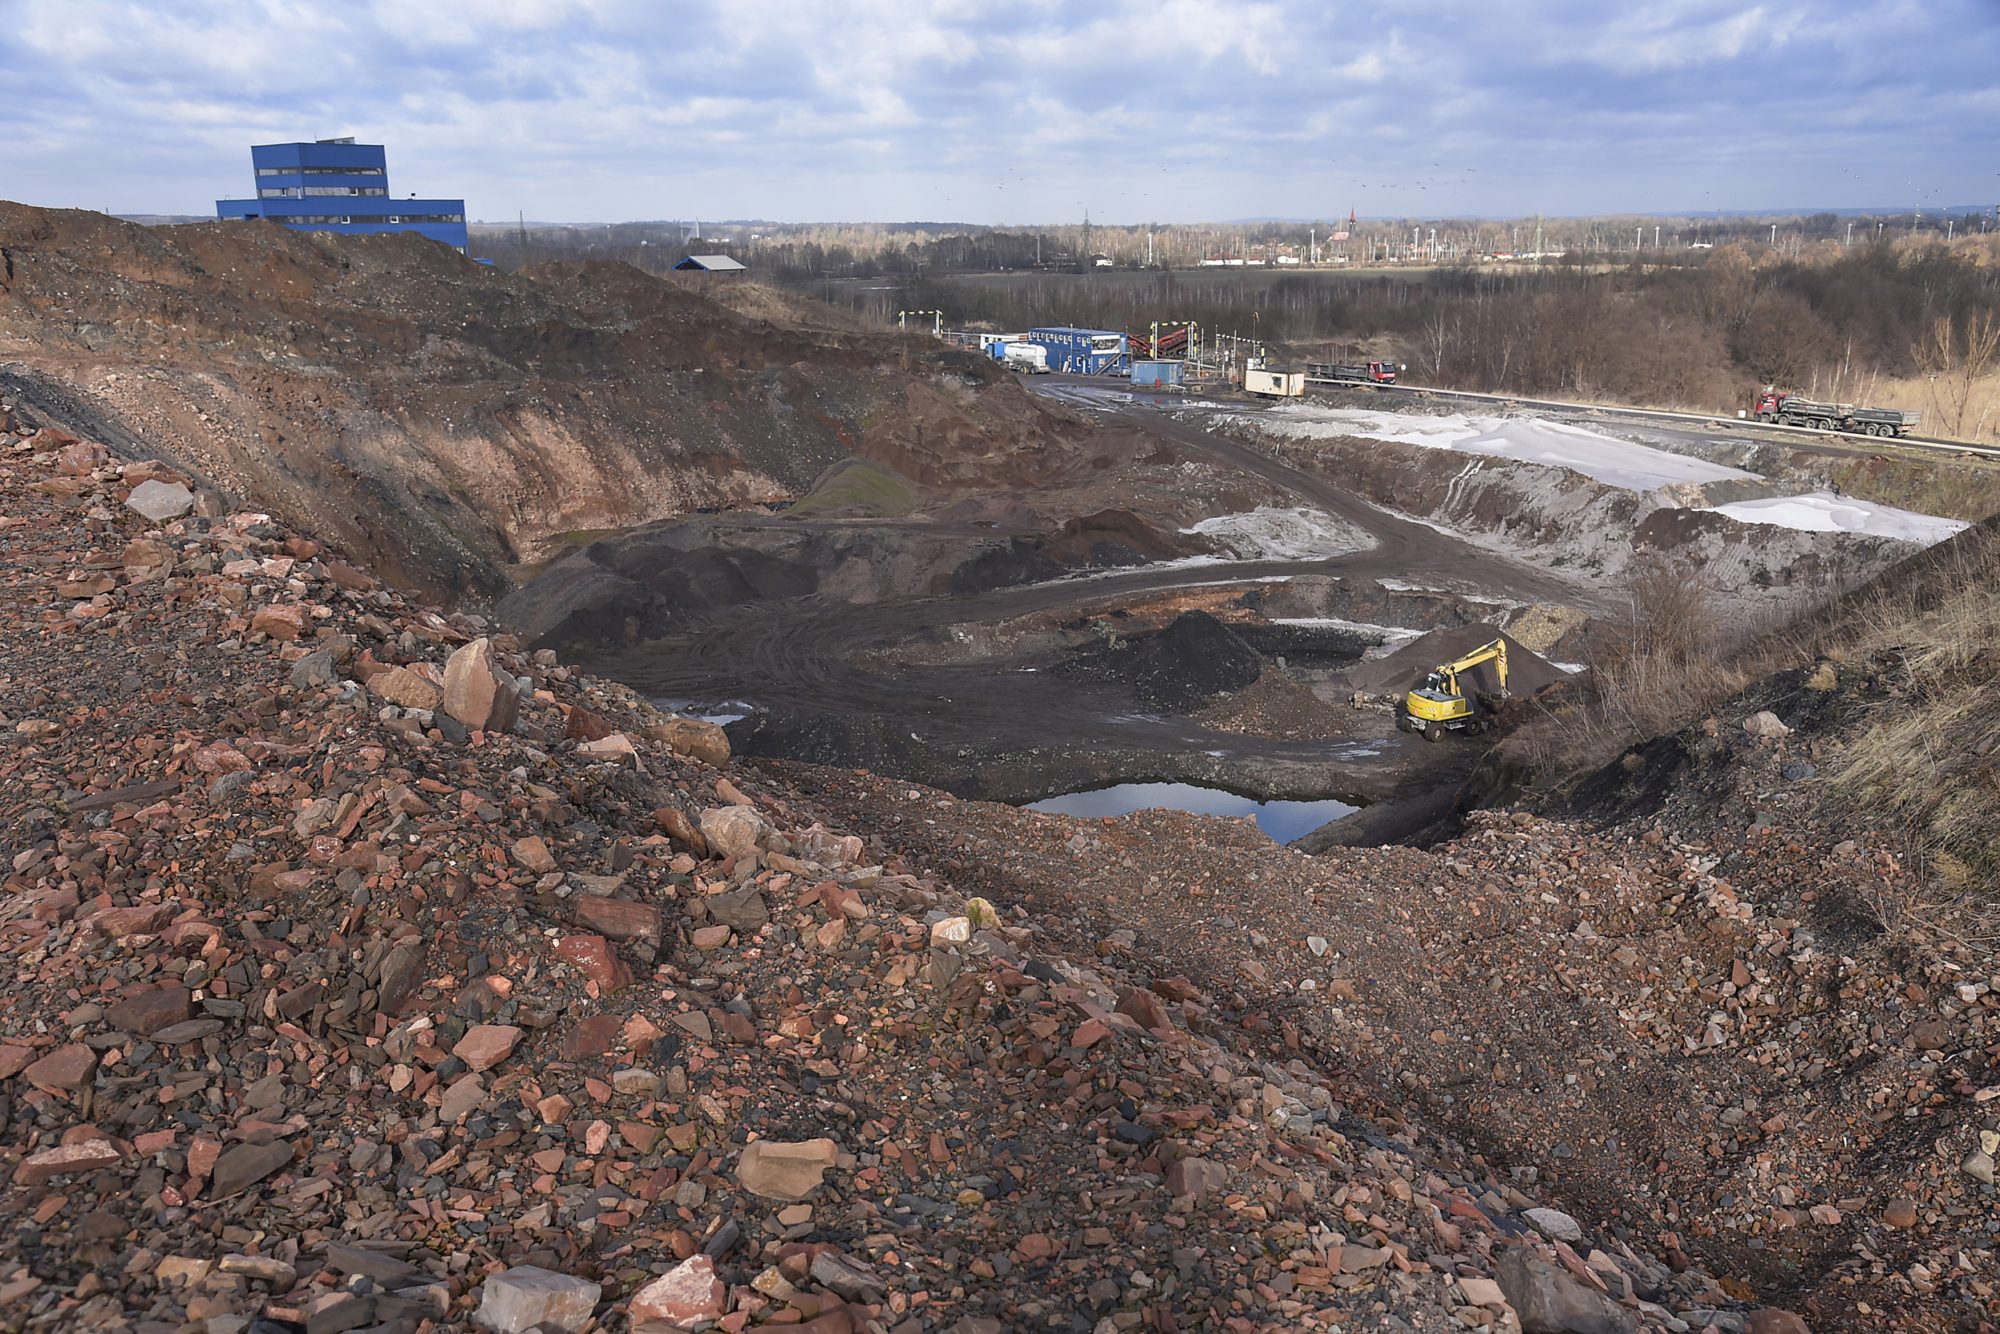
x: 1494, y: 652
x: 1440, y: 703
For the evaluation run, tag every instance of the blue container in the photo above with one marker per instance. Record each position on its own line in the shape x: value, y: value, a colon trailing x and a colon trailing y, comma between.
x: 1156, y: 374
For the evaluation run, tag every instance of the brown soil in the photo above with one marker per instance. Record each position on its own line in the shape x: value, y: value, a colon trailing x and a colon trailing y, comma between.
x: 449, y: 422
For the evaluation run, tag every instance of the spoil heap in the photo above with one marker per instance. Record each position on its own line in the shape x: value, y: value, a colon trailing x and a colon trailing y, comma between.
x: 342, y: 999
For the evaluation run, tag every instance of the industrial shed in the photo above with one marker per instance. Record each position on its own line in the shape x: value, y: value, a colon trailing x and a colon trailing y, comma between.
x: 709, y: 264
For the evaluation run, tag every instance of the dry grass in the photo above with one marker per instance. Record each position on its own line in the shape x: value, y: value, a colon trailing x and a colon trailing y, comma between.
x: 1917, y: 394
x: 1928, y: 759
x: 1662, y: 663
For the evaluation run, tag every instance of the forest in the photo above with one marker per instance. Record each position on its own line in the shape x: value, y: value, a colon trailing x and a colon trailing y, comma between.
x: 1897, y: 313
x: 1891, y: 323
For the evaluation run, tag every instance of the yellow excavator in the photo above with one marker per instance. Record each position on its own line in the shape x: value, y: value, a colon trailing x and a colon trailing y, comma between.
x: 1441, y: 704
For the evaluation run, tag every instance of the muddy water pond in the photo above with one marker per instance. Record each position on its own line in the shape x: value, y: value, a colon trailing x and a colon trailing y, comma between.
x: 1282, y: 821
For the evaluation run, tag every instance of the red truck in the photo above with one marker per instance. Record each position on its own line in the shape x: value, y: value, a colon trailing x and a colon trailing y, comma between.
x: 1792, y: 410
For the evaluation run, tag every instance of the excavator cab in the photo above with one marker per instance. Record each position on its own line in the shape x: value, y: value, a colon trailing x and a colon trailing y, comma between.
x: 1441, y: 703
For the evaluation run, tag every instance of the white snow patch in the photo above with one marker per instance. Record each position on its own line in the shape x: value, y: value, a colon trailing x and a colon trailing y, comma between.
x: 1824, y: 512
x: 1270, y: 533
x: 1620, y: 463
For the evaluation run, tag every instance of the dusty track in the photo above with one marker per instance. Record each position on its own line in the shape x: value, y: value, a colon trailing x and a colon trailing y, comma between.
x: 796, y: 662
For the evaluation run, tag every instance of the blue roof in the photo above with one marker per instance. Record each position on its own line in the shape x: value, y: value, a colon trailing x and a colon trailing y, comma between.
x: 1062, y: 328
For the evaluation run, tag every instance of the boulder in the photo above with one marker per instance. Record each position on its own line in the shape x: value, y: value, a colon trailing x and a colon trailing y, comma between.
x: 693, y: 738
x: 486, y: 1045
x: 144, y: 558
x: 1766, y: 725
x: 676, y: 826
x: 529, y: 1298
x: 776, y: 1170
x: 594, y: 957
x: 160, y: 501
x: 619, y: 919
x: 245, y: 1165
x: 743, y: 909
x: 733, y: 831
x: 401, y: 686
x: 1194, y: 1178
x: 1554, y: 1224
x: 87, y: 1155
x: 64, y: 1070
x: 476, y: 691
x: 1549, y: 1301
x: 149, y: 1011
x: 283, y: 621
x: 685, y: 1295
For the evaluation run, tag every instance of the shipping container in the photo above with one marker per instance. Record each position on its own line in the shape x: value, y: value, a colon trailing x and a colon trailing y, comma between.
x: 1156, y: 374
x: 1275, y: 384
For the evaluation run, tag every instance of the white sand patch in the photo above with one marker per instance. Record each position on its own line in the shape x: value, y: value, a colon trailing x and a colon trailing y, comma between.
x: 1824, y: 512
x: 1271, y: 533
x: 1614, y: 462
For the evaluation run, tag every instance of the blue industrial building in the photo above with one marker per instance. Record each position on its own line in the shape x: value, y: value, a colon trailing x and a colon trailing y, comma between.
x: 337, y: 185
x: 1084, y: 351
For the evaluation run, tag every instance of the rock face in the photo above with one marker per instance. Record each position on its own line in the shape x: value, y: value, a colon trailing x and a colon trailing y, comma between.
x: 160, y: 501
x: 529, y: 1298
x: 776, y: 1170
x: 1549, y: 1301
x: 476, y: 691
x: 688, y: 1293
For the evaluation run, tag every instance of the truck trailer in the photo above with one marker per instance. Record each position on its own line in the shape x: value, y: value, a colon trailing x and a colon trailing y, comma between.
x: 1354, y: 372
x: 1793, y: 410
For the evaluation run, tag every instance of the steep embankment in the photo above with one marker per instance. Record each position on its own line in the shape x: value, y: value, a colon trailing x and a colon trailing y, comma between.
x: 447, y: 421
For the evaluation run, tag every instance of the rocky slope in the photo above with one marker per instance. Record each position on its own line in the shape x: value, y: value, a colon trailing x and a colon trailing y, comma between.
x: 368, y: 973
x: 446, y: 421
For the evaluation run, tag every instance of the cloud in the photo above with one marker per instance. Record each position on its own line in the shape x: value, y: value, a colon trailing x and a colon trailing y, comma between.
x: 1168, y: 110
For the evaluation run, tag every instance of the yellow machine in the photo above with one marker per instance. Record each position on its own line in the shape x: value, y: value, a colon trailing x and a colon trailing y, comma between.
x: 1441, y: 704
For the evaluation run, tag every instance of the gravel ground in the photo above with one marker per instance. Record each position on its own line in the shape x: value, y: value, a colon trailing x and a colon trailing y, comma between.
x: 340, y: 1000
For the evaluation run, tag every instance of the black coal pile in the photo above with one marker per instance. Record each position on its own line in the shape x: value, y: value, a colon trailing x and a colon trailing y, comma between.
x: 1183, y: 666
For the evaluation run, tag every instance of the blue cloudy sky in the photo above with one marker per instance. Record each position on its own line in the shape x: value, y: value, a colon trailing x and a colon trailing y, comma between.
x: 1017, y: 110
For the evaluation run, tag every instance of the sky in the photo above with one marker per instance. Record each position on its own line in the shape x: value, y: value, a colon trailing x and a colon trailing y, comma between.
x: 1017, y: 111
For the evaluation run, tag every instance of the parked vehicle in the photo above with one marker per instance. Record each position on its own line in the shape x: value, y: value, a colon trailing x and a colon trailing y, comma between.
x: 1357, y: 372
x: 1028, y: 358
x: 1444, y: 704
x: 1793, y: 410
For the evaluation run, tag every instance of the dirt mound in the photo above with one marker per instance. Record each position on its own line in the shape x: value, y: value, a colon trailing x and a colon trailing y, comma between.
x: 1179, y: 668
x: 1114, y: 537
x: 449, y: 422
x: 1527, y: 671
x: 977, y: 429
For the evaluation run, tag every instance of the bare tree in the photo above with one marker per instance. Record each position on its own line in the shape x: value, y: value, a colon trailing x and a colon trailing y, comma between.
x: 1954, y: 363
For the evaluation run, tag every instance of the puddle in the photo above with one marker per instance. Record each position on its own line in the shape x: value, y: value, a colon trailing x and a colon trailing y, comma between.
x: 1283, y: 821
x: 720, y: 712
